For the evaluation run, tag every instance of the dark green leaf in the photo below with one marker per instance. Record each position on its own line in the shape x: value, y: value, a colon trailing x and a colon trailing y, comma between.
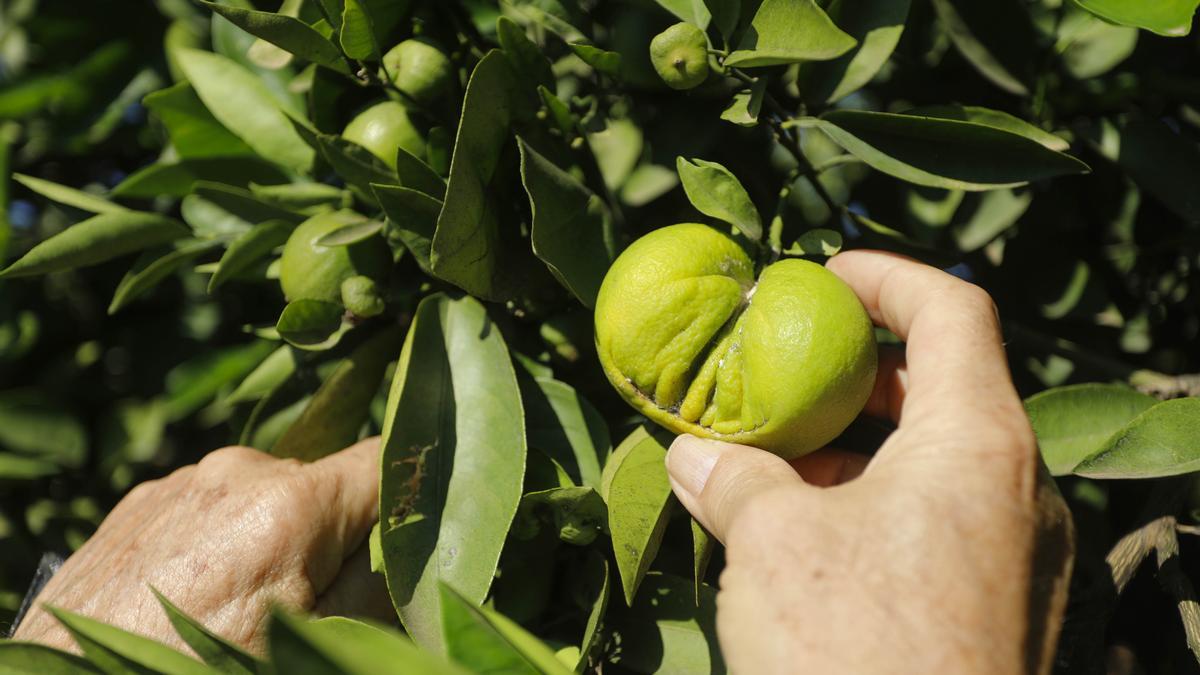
x: 249, y: 247
x: 194, y: 383
x: 240, y: 101
x: 32, y: 425
x: 877, y: 25
x: 336, y: 414
x: 572, y: 226
x: 355, y: 164
x: 597, y: 575
x: 817, y: 242
x: 103, y: 642
x: 412, y: 218
x: 454, y: 458
x: 773, y: 36
x: 950, y: 154
x: 243, y: 203
x: 666, y: 631
x: 487, y: 642
x: 602, y: 60
x: 357, y: 32
x: 193, y: 130
x: 996, y: 37
x: 271, y: 373
x: 419, y: 176
x: 152, y: 267
x: 578, y: 514
x: 341, y: 646
x: 62, y: 194
x: 27, y: 658
x: 1162, y: 162
x: 1162, y: 441
x: 286, y: 32
x: 310, y: 324
x: 95, y: 240
x: 212, y: 648
x: 1090, y: 47
x: 525, y: 57
x: 717, y: 193
x: 1076, y: 421
x: 703, y: 545
x: 1172, y: 18
x: 565, y: 426
x: 304, y: 198
x: 746, y: 104
x: 638, y: 495
x: 996, y: 119
x: 352, y: 234
x: 175, y: 179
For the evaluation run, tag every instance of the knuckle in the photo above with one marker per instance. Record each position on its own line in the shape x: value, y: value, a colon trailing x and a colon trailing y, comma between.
x: 224, y: 458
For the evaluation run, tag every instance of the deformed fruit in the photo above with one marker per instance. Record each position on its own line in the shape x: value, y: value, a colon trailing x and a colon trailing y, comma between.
x: 680, y: 56
x: 693, y: 340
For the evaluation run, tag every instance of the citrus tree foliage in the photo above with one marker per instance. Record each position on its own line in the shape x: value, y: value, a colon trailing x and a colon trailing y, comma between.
x: 462, y: 174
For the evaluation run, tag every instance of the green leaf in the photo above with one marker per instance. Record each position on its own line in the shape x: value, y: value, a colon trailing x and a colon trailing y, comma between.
x: 695, y: 12
x: 417, y: 175
x: 487, y: 642
x: 746, y: 104
x: 716, y: 193
x: 1162, y: 162
x: 1076, y: 421
x: 212, y: 648
x: 286, y: 32
x: 1090, y: 47
x: 566, y: 427
x: 469, y: 248
x: 596, y: 572
x: 877, y: 25
x: 248, y: 248
x: 411, y: 219
x: 525, y: 57
x: 352, y: 234
x: 1172, y: 18
x: 152, y: 267
x: 271, y: 373
x: 1162, y: 441
x: 175, y: 179
x: 578, y: 514
x: 996, y: 119
x: 30, y: 424
x: 243, y: 203
x: 638, y: 495
x: 311, y: 324
x: 950, y: 154
x: 995, y: 37
x: 772, y: 37
x: 194, y: 383
x: 356, y: 165
x: 572, y: 226
x: 305, y: 198
x: 28, y: 658
x: 341, y: 646
x: 666, y: 630
x: 357, y: 32
x: 453, y: 458
x: 62, y: 194
x: 193, y: 130
x: 336, y: 414
x: 16, y: 467
x: 995, y: 212
x: 703, y: 545
x: 104, y: 643
x: 602, y: 60
x: 241, y: 102
x: 96, y: 240
x: 817, y: 242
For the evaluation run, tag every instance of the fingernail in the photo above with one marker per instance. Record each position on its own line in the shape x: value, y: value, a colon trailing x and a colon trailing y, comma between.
x: 690, y: 460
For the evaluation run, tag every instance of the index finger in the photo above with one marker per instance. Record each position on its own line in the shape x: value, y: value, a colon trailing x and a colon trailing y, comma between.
x: 958, y: 377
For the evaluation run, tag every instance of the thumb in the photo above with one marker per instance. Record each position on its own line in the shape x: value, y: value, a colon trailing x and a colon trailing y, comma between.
x: 348, y: 487
x: 716, y: 480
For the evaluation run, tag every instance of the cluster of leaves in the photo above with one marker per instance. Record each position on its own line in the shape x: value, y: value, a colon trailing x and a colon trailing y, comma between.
x: 1034, y: 147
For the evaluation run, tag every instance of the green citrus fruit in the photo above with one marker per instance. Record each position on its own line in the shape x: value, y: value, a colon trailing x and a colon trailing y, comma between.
x: 420, y: 69
x: 680, y: 55
x: 362, y: 297
x: 383, y: 129
x: 312, y: 271
x: 695, y: 342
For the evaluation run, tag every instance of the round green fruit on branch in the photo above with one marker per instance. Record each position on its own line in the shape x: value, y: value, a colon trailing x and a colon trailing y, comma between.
x: 680, y: 55
x: 420, y: 70
x: 691, y: 339
x: 361, y: 296
x: 383, y: 129
x: 312, y: 271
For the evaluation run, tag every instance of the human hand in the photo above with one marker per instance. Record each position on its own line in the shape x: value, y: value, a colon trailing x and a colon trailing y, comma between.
x: 948, y: 554
x: 225, y: 540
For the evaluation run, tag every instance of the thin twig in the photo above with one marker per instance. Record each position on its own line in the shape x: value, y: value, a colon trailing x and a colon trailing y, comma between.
x: 1175, y: 582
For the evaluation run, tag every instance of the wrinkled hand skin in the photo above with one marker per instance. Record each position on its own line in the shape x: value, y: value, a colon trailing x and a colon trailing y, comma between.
x: 226, y: 540
x: 948, y: 552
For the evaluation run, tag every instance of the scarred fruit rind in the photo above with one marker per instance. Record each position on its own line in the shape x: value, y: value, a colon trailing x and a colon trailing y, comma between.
x: 420, y: 69
x: 680, y: 56
x: 383, y: 129
x: 693, y: 341
x: 309, y: 270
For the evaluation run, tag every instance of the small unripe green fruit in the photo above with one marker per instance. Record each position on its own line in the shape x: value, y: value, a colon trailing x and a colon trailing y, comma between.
x: 420, y: 69
x: 311, y: 271
x: 680, y: 55
x: 383, y: 129
x: 691, y: 339
x: 361, y: 296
